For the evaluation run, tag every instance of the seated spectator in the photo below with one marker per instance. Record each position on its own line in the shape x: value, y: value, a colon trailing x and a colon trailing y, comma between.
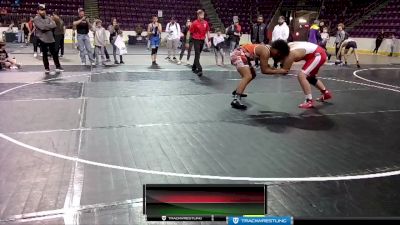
x: 5, y: 62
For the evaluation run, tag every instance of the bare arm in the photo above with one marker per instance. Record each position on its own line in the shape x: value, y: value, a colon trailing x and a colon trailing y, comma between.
x: 76, y: 23
x: 265, y: 68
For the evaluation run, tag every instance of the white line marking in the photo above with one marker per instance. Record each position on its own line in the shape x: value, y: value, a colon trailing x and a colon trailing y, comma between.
x: 206, y: 121
x: 73, y: 197
x: 375, y: 82
x: 153, y: 172
x: 211, y: 177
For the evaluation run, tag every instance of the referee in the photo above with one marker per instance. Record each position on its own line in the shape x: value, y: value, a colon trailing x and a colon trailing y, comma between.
x: 198, y: 31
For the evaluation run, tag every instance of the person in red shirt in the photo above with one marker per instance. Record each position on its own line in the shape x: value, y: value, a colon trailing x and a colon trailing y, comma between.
x: 199, y: 31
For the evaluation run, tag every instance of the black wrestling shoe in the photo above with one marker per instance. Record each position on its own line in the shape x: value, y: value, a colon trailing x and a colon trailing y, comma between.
x: 237, y: 105
x: 242, y: 95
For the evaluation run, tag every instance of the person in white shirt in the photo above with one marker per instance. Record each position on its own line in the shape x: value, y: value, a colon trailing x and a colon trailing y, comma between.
x: 325, y: 38
x: 173, y: 31
x: 218, y: 43
x: 280, y: 32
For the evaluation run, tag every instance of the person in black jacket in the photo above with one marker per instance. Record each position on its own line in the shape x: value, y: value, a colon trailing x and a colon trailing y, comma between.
x: 259, y: 34
x: 186, y: 40
x: 378, y: 41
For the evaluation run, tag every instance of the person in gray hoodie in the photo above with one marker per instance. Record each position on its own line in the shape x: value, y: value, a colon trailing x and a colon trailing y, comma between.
x: 44, y: 26
x: 100, y: 40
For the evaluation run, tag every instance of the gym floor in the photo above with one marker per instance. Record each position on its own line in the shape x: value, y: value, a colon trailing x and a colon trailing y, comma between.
x: 77, y: 148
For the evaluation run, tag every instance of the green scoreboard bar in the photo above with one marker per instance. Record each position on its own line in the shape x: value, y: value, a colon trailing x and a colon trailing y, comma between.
x: 202, y: 202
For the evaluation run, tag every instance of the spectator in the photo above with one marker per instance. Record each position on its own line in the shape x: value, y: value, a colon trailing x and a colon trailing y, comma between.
x: 259, y: 34
x: 173, y: 31
x: 5, y: 62
x: 82, y: 28
x: 280, y: 32
x: 378, y: 41
x: 324, y: 41
x: 30, y: 26
x: 154, y: 32
x: 44, y: 25
x: 26, y: 30
x: 234, y: 32
x: 199, y: 31
x: 186, y: 39
x: 340, y: 37
x: 100, y: 40
x: 392, y: 44
x: 314, y: 35
x: 59, y: 34
x: 115, y: 30
x: 218, y: 43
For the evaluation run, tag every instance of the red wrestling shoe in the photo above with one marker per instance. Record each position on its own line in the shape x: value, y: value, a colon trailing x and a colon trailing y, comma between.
x: 327, y: 95
x: 308, y: 104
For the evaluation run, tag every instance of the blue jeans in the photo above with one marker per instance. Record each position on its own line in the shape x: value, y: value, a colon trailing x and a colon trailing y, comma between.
x: 84, y: 47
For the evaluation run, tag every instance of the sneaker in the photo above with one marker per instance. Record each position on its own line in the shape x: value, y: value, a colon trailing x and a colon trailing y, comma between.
x: 35, y: 55
x: 61, y: 56
x: 242, y: 95
x: 58, y: 70
x: 327, y: 95
x: 41, y: 54
x: 237, y: 105
x: 179, y: 62
x: 187, y: 62
x: 358, y: 65
x: 108, y: 60
x: 116, y: 62
x: 174, y: 59
x: 121, y: 62
x: 83, y: 63
x: 168, y: 58
x: 308, y: 104
x: 199, y: 73
x: 47, y: 71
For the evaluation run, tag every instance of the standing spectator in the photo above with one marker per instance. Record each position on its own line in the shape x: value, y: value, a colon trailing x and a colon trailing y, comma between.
x: 173, y: 31
x: 259, y: 34
x: 324, y: 41
x: 186, y: 39
x: 100, y: 40
x: 115, y: 30
x: 392, y: 44
x: 82, y: 25
x: 340, y: 37
x: 321, y: 26
x: 26, y: 29
x: 378, y: 41
x: 59, y: 34
x: 199, y: 31
x: 154, y: 31
x: 44, y: 25
x: 314, y: 35
x: 218, y: 43
x: 280, y: 32
x: 30, y: 26
x: 35, y: 41
x: 234, y: 32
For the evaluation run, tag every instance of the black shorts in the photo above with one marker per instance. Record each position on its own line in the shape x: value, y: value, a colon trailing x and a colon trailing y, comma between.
x: 351, y: 44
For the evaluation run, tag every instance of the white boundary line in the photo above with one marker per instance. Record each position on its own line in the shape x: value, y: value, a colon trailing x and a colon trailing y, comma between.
x: 153, y: 172
x: 375, y: 82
